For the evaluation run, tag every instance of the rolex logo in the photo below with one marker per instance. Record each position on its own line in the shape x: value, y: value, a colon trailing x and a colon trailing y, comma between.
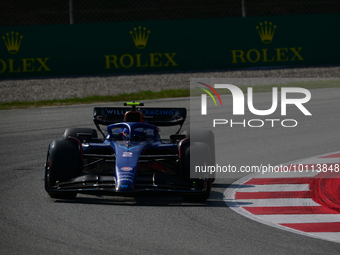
x: 140, y: 37
x: 12, y: 42
x: 266, y: 32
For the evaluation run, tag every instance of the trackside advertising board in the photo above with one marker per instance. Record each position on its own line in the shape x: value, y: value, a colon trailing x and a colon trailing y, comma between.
x: 158, y: 46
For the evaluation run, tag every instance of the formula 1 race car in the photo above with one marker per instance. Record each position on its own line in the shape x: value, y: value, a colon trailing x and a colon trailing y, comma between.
x: 131, y: 158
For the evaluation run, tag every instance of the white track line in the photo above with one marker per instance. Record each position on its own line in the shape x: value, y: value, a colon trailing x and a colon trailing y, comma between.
x: 276, y: 202
x: 328, y: 235
x: 274, y: 187
x: 302, y: 218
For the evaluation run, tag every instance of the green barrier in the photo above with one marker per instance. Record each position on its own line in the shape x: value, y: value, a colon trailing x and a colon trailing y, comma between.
x: 160, y: 46
x: 273, y: 41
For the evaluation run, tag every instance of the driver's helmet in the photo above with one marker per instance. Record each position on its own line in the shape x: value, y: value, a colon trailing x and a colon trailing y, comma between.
x: 138, y: 134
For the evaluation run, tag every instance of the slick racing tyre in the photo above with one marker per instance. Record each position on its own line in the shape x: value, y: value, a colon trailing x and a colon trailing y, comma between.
x: 197, y: 154
x: 81, y: 134
x: 63, y: 163
x: 203, y: 136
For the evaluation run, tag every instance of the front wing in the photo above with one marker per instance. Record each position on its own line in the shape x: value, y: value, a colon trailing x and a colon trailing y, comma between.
x: 145, y: 183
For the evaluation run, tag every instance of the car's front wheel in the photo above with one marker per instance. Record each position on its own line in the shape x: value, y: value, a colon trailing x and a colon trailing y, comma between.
x: 63, y: 163
x: 203, y: 136
x: 197, y: 155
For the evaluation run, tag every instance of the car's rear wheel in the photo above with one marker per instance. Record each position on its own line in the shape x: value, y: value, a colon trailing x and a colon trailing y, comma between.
x: 197, y: 154
x: 63, y: 163
x: 80, y: 133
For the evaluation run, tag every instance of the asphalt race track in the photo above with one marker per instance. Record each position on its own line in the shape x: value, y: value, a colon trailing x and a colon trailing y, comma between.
x: 33, y: 223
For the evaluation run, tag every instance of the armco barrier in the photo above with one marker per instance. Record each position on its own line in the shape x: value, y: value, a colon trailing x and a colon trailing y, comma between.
x: 157, y: 46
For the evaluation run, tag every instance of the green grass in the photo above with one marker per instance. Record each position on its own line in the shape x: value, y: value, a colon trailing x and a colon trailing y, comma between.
x: 146, y: 95
x: 143, y: 95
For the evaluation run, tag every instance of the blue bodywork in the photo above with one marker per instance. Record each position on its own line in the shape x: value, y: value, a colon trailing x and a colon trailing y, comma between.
x: 130, y: 159
x: 128, y: 151
x: 129, y: 142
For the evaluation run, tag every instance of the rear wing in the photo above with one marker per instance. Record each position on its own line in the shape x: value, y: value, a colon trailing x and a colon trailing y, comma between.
x: 158, y: 116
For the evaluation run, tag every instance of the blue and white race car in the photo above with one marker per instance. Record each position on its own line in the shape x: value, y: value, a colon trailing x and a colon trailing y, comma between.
x: 131, y: 158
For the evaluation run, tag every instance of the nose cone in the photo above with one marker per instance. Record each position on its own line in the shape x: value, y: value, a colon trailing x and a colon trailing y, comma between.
x: 124, y: 187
